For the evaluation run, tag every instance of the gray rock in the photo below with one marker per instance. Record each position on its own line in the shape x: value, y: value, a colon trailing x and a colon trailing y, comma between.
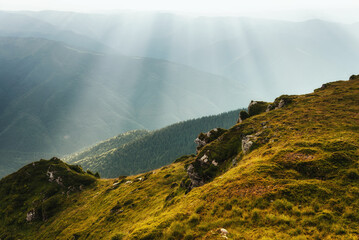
x: 196, y: 180
x: 204, y: 158
x: 234, y: 162
x: 31, y: 215
x: 247, y: 143
x: 224, y: 231
x: 281, y: 103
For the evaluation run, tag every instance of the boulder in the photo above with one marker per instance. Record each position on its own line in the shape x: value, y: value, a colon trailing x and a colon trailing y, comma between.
x: 281, y: 102
x: 247, y: 143
x: 195, y: 178
x: 354, y: 77
x: 31, y: 215
x: 257, y: 107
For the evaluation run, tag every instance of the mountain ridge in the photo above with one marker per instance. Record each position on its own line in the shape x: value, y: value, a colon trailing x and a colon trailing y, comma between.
x: 287, y: 173
x: 150, y: 151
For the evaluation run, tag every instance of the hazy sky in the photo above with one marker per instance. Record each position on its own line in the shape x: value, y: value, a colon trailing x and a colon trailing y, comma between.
x: 346, y: 10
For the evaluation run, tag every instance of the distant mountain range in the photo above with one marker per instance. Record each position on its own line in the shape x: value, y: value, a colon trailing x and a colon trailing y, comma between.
x: 268, y: 57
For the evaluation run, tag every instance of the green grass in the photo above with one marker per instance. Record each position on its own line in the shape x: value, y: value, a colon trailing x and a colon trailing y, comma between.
x: 300, y: 181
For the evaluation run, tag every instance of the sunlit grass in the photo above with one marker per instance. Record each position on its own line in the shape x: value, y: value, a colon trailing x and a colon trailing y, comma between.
x: 276, y: 191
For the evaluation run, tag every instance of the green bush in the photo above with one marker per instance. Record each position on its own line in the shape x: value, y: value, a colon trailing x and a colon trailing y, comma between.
x: 227, y: 207
x: 257, y: 107
x: 243, y: 115
x: 194, y: 220
x: 255, y: 216
x: 118, y: 236
x: 352, y: 174
x: 282, y: 205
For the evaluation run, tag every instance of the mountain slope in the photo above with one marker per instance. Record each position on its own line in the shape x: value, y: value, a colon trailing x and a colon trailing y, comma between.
x: 58, y: 99
x: 150, y: 150
x: 297, y: 179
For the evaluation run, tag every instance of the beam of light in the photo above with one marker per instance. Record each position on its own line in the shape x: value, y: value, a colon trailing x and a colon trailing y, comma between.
x: 117, y: 93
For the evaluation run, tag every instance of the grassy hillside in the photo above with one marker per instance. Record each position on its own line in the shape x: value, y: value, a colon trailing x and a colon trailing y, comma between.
x: 297, y: 179
x: 148, y: 151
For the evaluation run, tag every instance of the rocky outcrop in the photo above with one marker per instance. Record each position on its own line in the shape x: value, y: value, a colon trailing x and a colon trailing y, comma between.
x: 354, y: 77
x: 195, y: 178
x: 280, y: 102
x: 204, y: 138
x: 31, y: 215
x: 52, y: 178
x: 257, y: 107
x: 254, y: 108
x: 242, y: 116
x: 247, y: 143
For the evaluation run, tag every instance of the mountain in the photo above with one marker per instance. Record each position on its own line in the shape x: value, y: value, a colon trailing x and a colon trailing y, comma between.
x: 287, y: 173
x: 140, y: 151
x: 57, y: 99
x: 261, y: 54
x: 14, y: 24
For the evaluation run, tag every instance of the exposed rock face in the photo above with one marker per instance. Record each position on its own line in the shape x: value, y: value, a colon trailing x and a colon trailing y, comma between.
x: 195, y: 178
x: 31, y: 215
x: 204, y: 138
x: 247, y: 143
x: 52, y: 178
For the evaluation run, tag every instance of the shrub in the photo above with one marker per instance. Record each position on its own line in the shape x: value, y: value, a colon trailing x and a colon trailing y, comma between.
x: 76, y: 168
x: 118, y: 236
x: 194, y: 220
x: 353, y: 77
x: 352, y: 174
x: 128, y: 202
x: 176, y: 231
x: 352, y: 215
x: 255, y: 216
x: 228, y: 207
x: 282, y: 205
x: 325, y: 216
x: 189, y: 237
x: 200, y: 209
x: 243, y: 115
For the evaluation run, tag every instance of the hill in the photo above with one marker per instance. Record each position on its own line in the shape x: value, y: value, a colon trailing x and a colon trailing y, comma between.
x: 57, y: 99
x: 148, y: 150
x: 287, y: 173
